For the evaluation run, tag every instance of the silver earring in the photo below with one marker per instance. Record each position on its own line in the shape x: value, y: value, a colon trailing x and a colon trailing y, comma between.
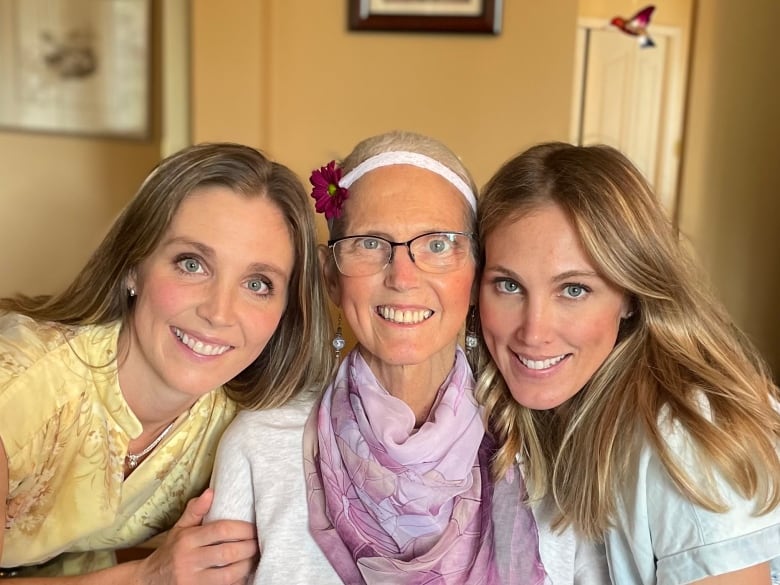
x: 338, y: 341
x: 471, y: 335
x: 131, y: 291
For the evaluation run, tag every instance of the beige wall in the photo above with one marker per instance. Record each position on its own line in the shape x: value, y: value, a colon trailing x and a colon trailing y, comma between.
x: 730, y: 204
x: 290, y: 78
x: 58, y: 196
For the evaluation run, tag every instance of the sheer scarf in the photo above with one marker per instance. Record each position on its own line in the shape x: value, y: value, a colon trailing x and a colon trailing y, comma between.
x: 390, y: 504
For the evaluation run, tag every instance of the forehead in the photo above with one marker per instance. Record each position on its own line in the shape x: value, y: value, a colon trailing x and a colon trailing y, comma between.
x: 219, y: 214
x: 403, y: 200
x: 545, y: 234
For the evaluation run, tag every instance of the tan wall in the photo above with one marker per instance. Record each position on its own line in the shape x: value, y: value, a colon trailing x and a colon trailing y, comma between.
x: 319, y: 88
x: 730, y: 204
x: 58, y: 196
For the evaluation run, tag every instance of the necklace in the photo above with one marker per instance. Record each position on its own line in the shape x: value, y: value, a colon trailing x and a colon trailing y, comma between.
x: 131, y: 459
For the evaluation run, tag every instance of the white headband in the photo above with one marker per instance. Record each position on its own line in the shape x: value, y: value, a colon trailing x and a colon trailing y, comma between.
x: 402, y: 157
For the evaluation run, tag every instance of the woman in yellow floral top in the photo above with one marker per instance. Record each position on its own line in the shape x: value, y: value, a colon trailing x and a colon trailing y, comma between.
x: 204, y: 296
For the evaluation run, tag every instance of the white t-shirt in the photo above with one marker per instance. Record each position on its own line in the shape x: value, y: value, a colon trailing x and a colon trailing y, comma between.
x: 662, y: 537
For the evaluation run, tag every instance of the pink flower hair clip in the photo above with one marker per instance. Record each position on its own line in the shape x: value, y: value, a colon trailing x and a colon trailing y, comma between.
x: 327, y: 193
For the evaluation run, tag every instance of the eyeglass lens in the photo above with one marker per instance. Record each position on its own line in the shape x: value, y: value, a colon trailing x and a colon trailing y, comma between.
x: 432, y: 252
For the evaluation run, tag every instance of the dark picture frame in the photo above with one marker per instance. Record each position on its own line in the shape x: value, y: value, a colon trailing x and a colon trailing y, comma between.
x: 456, y: 16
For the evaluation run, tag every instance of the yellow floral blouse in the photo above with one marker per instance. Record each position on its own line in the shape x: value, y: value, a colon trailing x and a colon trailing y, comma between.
x: 65, y: 426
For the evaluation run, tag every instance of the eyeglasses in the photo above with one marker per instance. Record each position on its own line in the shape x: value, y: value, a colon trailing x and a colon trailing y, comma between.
x: 435, y: 252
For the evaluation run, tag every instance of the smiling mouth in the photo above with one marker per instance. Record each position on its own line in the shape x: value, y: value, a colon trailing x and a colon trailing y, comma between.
x: 541, y: 364
x: 403, y: 317
x: 198, y: 346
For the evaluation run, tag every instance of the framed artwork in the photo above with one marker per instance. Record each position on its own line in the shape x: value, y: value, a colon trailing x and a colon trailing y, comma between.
x: 463, y: 16
x: 75, y: 66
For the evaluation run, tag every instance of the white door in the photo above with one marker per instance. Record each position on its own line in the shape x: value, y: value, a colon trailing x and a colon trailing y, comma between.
x: 625, y: 96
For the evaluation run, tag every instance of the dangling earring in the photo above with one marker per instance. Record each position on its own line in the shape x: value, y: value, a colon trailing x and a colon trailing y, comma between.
x: 131, y: 291
x: 471, y: 335
x: 338, y: 340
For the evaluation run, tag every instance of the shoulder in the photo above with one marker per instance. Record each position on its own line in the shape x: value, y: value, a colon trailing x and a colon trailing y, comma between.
x: 270, y: 425
x: 660, y: 531
x: 33, y: 352
x: 25, y: 341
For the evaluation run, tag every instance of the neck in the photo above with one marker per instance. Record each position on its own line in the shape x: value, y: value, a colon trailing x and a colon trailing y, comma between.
x: 416, y: 384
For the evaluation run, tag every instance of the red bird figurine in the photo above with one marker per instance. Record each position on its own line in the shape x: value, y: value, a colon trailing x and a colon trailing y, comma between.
x: 637, y: 25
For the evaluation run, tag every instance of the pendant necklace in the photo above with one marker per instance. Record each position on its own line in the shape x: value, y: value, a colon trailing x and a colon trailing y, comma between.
x: 131, y: 459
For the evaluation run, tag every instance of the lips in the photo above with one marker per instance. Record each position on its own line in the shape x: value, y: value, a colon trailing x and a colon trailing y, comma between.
x: 198, y: 346
x: 403, y: 316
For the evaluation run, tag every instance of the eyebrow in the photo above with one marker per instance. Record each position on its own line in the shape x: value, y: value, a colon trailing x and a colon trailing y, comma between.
x: 387, y: 236
x: 569, y: 274
x: 209, y: 252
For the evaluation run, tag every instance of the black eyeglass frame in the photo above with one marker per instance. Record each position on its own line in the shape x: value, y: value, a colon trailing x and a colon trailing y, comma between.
x: 393, y: 245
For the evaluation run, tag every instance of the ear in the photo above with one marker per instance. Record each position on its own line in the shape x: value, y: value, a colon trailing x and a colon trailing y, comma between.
x: 330, y: 273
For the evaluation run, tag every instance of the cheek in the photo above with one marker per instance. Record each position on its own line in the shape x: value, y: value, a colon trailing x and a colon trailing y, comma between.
x: 261, y: 325
x: 161, y: 298
x: 456, y: 290
x: 493, y: 317
x: 600, y: 336
x: 164, y: 296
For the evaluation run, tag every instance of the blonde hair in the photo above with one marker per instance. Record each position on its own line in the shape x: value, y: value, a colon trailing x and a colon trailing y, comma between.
x: 679, y: 350
x: 296, y: 357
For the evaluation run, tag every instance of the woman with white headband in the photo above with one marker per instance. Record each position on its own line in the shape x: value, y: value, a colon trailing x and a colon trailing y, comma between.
x: 392, y: 485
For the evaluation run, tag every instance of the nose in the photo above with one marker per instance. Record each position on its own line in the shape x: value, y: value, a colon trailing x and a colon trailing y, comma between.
x: 402, y: 273
x: 217, y: 306
x: 536, y: 322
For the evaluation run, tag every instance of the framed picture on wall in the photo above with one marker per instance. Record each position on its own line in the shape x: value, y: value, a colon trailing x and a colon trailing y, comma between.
x: 465, y: 16
x: 75, y: 66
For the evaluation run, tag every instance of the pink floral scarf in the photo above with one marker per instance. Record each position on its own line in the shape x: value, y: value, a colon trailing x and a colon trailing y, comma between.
x: 391, y: 505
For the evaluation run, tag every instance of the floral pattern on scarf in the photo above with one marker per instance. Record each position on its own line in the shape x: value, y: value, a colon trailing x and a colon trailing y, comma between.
x: 391, y: 504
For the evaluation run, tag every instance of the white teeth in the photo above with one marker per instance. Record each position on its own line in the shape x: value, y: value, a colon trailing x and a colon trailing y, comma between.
x: 540, y: 364
x: 405, y: 317
x: 198, y: 346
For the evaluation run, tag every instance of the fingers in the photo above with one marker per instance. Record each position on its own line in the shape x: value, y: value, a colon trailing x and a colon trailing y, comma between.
x: 196, y: 509
x: 209, y: 536
x: 235, y: 574
x: 226, y: 554
x: 221, y: 552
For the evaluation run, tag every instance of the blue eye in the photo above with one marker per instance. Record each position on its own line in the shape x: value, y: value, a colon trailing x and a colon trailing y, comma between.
x: 259, y: 286
x: 575, y: 291
x: 507, y: 286
x: 370, y: 243
x: 190, y: 265
x: 439, y: 245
